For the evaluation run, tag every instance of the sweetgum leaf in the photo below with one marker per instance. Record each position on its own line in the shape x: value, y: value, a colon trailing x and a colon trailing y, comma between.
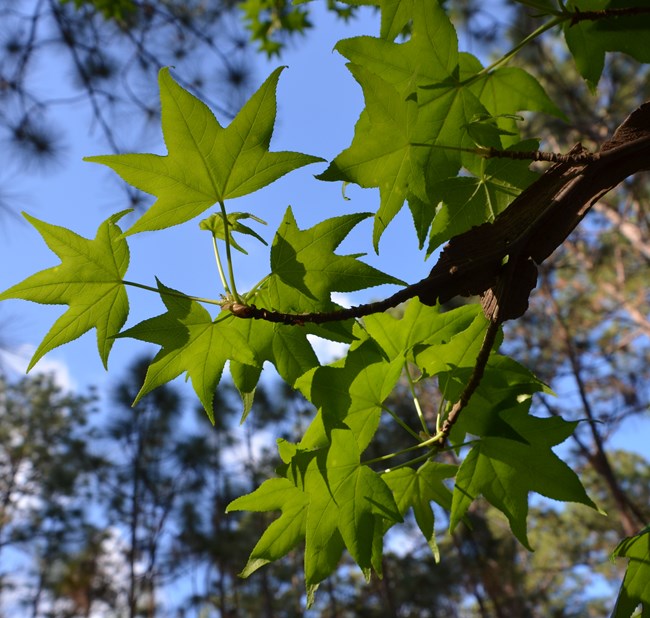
x: 286, y: 532
x: 350, y: 391
x: 402, y: 64
x: 505, y: 385
x: 287, y: 347
x: 465, y: 202
x: 417, y: 489
x: 635, y: 589
x: 389, y: 149
x: 89, y: 280
x: 347, y: 506
x: 446, y: 110
x: 206, y: 162
x: 381, y: 154
x: 506, y: 90
x: 305, y: 269
x: 504, y: 471
x: 350, y: 500
x: 420, y: 325
x: 458, y: 352
x: 588, y: 41
x: 191, y: 341
x: 215, y: 224
x: 395, y: 16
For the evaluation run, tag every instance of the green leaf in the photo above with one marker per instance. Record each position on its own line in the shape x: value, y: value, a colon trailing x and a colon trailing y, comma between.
x: 352, y: 392
x: 446, y: 110
x: 349, y: 499
x: 346, y: 503
x: 457, y: 352
x: 395, y: 16
x: 429, y: 56
x: 505, y: 385
x: 214, y: 223
x: 419, y: 325
x: 284, y: 533
x: 191, y: 341
x: 381, y: 154
x: 305, y: 269
x: 504, y: 471
x: 506, y: 90
x: 589, y: 40
x: 417, y: 489
x: 464, y: 202
x: 206, y: 162
x: 287, y: 347
x: 89, y: 280
x: 389, y: 149
x: 635, y: 589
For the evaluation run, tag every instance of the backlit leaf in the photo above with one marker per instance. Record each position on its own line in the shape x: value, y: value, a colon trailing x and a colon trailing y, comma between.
x: 89, y: 280
x: 193, y: 342
x: 206, y: 162
x: 504, y: 471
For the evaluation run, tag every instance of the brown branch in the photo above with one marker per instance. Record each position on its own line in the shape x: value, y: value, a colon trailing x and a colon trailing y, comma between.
x: 579, y: 15
x: 522, y: 237
x: 474, y: 380
x: 539, y: 155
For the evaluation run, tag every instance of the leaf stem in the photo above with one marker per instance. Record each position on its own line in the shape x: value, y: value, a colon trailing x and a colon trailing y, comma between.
x: 410, y: 462
x: 198, y: 299
x: 217, y: 257
x: 401, y: 423
x: 416, y: 401
x: 424, y: 444
x: 231, y: 273
x: 557, y: 20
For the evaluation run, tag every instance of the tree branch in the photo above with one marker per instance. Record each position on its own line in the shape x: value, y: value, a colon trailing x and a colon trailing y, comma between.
x: 523, y: 236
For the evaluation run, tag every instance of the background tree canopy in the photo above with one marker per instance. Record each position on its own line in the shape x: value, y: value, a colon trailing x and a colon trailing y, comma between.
x: 426, y: 454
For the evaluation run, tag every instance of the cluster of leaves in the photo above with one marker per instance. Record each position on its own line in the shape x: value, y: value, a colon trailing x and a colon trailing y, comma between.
x: 430, y: 112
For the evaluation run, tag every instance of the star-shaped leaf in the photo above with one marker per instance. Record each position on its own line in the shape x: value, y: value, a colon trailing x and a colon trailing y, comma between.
x: 89, y: 280
x: 382, y: 153
x: 429, y: 56
x: 286, y: 532
x: 420, y: 325
x: 350, y: 391
x: 417, y: 489
x: 589, y: 40
x: 330, y: 500
x: 206, y: 162
x: 305, y: 269
x: 191, y: 341
x: 286, y: 347
x: 465, y: 202
x: 346, y: 499
x: 504, y: 471
x: 215, y: 224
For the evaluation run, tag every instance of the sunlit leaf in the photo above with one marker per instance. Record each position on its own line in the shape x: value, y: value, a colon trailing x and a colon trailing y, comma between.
x: 191, y: 342
x: 504, y: 471
x: 89, y: 280
x: 206, y: 162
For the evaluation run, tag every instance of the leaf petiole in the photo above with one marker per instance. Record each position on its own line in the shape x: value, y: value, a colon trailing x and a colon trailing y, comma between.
x: 401, y: 423
x: 231, y: 272
x: 166, y: 292
x: 217, y: 257
x: 416, y: 401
